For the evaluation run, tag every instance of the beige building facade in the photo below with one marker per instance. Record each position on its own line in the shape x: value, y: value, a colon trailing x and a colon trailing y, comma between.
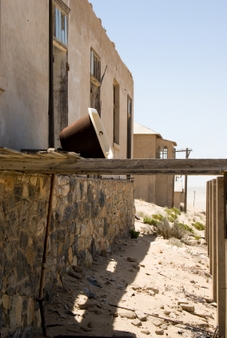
x: 40, y: 94
x: 158, y: 189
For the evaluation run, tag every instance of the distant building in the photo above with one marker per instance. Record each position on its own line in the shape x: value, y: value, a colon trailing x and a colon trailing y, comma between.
x: 87, y: 72
x: 158, y: 189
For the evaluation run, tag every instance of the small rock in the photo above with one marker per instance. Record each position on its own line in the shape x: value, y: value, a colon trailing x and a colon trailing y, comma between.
x: 159, y: 332
x: 86, y: 305
x: 132, y: 260
x: 157, y: 322
x: 136, y: 266
x: 70, y: 271
x: 141, y: 316
x: 182, y: 301
x: 98, y: 312
x: 77, y: 268
x: 136, y: 322
x: 151, y: 293
x: 127, y: 314
x: 89, y: 293
x: 167, y: 312
x: 86, y: 329
x: 188, y: 307
x: 213, y: 304
x: 150, y: 288
x: 164, y: 327
x: 147, y: 332
x: 208, y: 300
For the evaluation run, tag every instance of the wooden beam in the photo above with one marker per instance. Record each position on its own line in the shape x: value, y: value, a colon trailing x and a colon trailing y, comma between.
x: 71, y: 164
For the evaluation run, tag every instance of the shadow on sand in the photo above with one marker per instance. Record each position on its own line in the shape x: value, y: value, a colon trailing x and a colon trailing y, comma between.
x: 105, y: 283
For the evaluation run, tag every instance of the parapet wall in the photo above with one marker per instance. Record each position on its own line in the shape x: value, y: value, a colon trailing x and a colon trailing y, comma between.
x: 87, y: 215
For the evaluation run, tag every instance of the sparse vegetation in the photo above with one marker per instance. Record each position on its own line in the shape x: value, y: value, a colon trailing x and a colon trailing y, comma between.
x: 170, y: 227
x: 198, y: 225
x: 172, y: 213
x: 167, y: 231
x: 134, y: 234
x: 186, y: 227
x: 150, y: 221
x: 159, y: 217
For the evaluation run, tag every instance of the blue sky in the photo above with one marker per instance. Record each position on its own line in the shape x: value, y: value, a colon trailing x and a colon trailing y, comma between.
x: 177, y: 53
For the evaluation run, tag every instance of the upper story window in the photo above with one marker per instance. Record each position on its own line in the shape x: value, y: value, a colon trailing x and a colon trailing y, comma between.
x: 60, y: 23
x: 60, y: 26
x: 162, y: 152
x: 95, y: 65
x: 116, y: 112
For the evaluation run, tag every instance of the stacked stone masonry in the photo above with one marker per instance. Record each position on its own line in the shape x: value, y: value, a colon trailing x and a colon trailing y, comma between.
x: 87, y: 215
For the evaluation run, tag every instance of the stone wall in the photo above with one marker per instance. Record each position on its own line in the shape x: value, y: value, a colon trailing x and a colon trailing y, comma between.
x: 87, y: 215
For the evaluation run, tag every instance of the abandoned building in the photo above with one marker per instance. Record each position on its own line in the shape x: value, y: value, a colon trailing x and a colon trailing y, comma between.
x: 85, y: 71
x: 56, y: 60
x: 158, y: 189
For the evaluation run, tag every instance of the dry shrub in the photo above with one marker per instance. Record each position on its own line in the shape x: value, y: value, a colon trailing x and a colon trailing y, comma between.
x: 164, y: 229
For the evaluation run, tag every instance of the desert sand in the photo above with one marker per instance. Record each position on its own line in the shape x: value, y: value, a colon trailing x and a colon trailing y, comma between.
x: 147, y: 286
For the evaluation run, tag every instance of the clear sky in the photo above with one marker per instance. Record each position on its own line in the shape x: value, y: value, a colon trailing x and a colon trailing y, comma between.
x: 176, y: 51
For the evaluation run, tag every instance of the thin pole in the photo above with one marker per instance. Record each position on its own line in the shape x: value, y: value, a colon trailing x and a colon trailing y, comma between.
x: 51, y: 72
x: 186, y: 185
x: 40, y: 298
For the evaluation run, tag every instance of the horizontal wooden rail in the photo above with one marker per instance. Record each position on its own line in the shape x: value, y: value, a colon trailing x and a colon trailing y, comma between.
x: 67, y: 164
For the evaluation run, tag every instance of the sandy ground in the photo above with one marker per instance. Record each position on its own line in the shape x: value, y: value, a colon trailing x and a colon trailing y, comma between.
x: 141, y: 287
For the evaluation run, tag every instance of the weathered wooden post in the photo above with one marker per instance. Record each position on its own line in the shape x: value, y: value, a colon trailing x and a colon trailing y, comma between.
x: 221, y: 257
x: 207, y: 214
x: 214, y: 241
x: 210, y: 225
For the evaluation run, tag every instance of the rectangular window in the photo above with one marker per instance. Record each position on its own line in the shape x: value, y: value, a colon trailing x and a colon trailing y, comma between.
x: 129, y: 128
x: 60, y: 26
x: 95, y: 65
x: 162, y: 152
x: 116, y: 94
x: 95, y: 83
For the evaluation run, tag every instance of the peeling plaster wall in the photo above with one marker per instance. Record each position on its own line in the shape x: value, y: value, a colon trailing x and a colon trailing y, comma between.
x: 24, y: 29
x: 24, y: 62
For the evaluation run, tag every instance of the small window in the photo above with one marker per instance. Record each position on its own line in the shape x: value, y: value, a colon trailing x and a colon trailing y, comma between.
x: 95, y: 65
x: 162, y: 152
x: 60, y: 26
x: 116, y: 97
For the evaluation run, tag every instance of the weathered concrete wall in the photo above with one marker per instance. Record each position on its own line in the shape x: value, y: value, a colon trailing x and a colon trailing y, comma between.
x: 157, y: 189
x: 87, y: 215
x: 86, y: 31
x: 24, y: 62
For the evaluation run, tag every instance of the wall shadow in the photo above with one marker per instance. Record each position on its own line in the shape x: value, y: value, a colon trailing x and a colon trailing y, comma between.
x: 105, y: 283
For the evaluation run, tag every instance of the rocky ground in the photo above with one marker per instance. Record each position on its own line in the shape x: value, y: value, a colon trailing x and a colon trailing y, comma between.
x: 146, y: 286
